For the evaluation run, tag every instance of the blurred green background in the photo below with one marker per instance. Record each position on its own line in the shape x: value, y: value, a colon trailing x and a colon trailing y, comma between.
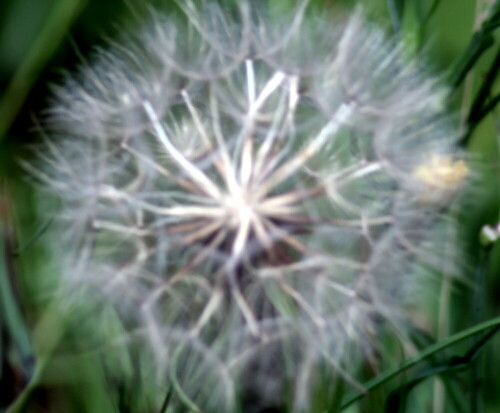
x: 41, y: 367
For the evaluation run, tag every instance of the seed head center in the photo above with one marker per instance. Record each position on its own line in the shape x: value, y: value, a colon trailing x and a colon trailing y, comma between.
x: 239, y: 208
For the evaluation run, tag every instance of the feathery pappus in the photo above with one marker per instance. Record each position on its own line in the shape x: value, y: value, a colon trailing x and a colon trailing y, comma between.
x: 251, y: 192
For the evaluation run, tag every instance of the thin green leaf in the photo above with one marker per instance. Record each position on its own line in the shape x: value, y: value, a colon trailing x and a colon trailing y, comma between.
x: 431, y: 12
x: 480, y: 108
x: 396, y: 11
x: 478, y: 45
x: 452, y: 364
x: 51, y: 35
x: 8, y: 304
x: 485, y: 90
x: 481, y: 41
x: 429, y: 351
x: 35, y: 237
x: 166, y: 400
x: 493, y: 102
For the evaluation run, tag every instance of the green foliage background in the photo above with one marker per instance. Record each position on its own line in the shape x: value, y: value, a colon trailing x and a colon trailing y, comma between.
x: 41, y: 368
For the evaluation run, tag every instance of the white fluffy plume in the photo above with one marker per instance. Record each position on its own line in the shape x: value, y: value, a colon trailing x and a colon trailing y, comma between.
x: 253, y: 192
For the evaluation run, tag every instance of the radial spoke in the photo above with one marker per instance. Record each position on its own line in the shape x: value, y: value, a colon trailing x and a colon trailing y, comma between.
x: 367, y: 169
x: 203, y: 232
x: 208, y: 311
x: 186, y: 226
x: 202, y: 131
x: 147, y: 160
x: 267, y: 91
x: 255, y: 104
x: 123, y: 229
x: 261, y: 233
x: 241, y: 235
x: 229, y: 171
x: 284, y: 236
x: 290, y: 198
x: 246, y: 311
x: 186, y: 211
x: 246, y: 160
x: 251, y: 89
x: 195, y: 173
x: 264, y: 154
x: 384, y: 220
x: 197, y: 120
x: 303, y: 303
x: 279, y: 122
x: 197, y: 258
x: 281, y: 212
x: 314, y: 146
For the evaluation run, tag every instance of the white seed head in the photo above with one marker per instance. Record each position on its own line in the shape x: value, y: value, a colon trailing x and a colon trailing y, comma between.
x: 254, y: 193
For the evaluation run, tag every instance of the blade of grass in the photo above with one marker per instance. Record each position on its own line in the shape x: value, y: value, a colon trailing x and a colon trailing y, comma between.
x: 35, y: 237
x: 478, y: 311
x: 422, y: 340
x: 485, y: 89
x: 430, y: 13
x: 479, y: 106
x: 424, y: 18
x: 10, y: 311
x: 488, y: 108
x: 451, y: 365
x: 429, y: 351
x: 57, y: 25
x: 478, y: 45
x: 481, y: 41
x: 396, y: 11
x: 166, y: 401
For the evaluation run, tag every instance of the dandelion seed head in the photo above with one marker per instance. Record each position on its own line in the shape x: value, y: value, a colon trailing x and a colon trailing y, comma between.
x: 247, y: 195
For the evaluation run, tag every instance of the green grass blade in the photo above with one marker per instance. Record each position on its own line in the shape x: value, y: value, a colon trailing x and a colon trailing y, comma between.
x: 429, y: 351
x: 12, y: 316
x: 51, y: 35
